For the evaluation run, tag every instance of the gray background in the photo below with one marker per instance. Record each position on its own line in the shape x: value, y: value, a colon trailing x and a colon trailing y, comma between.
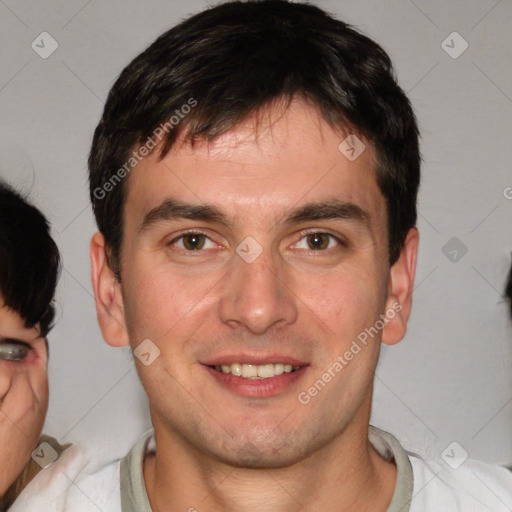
x: 451, y: 378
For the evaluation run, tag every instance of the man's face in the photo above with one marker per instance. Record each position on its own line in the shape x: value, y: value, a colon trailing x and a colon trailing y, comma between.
x: 210, y: 299
x: 23, y: 393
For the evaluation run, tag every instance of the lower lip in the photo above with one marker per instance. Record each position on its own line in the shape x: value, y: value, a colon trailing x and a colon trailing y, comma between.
x: 257, y: 387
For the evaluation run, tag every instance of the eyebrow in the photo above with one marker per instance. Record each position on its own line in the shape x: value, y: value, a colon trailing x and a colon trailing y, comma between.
x: 13, y: 340
x: 172, y: 209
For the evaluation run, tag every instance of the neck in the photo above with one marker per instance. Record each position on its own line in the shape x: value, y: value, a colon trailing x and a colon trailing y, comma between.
x: 345, y: 476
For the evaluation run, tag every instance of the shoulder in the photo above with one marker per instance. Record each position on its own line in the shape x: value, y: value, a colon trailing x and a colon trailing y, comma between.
x: 473, y: 486
x: 457, y: 485
x: 76, y: 482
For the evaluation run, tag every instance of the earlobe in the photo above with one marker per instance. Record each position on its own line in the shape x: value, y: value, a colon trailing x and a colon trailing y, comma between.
x: 107, y: 294
x: 401, y: 285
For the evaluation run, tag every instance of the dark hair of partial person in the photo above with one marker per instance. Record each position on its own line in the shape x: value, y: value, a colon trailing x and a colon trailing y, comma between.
x: 29, y: 261
x: 237, y: 58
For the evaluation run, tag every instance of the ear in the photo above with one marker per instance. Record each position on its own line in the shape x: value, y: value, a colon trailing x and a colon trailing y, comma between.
x: 107, y: 293
x: 401, y: 285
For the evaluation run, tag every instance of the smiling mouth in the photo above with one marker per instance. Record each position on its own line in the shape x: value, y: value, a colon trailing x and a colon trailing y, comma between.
x: 256, y: 371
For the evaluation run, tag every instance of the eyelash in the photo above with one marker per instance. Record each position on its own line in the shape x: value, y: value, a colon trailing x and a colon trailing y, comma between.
x: 341, y: 241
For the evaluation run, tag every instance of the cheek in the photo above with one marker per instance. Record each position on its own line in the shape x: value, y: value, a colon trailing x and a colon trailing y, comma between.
x: 34, y: 370
x: 157, y: 302
x: 346, y: 301
x: 5, y: 377
x: 43, y: 393
x: 35, y: 427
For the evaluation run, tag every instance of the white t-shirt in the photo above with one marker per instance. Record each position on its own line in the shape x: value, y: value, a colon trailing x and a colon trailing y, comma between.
x: 77, y: 482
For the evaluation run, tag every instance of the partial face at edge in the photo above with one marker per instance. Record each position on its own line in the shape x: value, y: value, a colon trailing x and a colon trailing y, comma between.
x: 200, y: 290
x: 23, y: 394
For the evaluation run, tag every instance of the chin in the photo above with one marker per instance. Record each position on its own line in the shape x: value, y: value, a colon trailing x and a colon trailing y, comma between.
x: 251, y: 457
x: 274, y: 453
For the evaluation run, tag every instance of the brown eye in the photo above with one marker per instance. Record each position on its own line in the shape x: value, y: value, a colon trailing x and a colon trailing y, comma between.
x: 194, y: 241
x: 318, y: 241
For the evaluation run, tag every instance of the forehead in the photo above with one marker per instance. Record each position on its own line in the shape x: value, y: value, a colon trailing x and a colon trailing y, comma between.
x: 261, y: 169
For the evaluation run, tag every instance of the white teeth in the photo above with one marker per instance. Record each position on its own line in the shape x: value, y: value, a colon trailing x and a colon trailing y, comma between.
x: 266, y: 370
x: 253, y: 371
x: 278, y: 369
x: 249, y: 371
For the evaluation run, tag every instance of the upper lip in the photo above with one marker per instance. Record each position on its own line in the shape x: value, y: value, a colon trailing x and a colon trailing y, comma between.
x: 255, y: 359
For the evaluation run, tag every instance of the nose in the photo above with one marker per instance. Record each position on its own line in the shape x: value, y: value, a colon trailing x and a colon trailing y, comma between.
x: 257, y: 295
